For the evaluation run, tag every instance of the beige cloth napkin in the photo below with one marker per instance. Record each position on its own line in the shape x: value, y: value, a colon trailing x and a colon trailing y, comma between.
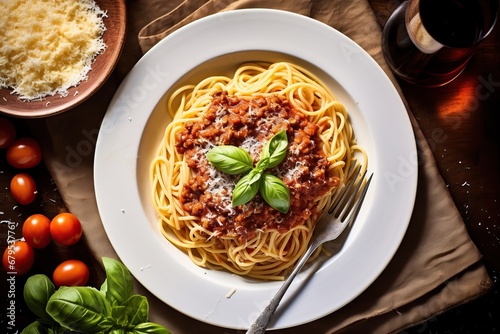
x: 437, y: 265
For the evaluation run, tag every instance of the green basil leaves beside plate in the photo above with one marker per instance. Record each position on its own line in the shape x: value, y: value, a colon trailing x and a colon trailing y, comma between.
x: 112, y: 308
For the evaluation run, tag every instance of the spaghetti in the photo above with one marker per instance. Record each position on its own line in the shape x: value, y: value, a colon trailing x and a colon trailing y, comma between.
x: 193, y: 198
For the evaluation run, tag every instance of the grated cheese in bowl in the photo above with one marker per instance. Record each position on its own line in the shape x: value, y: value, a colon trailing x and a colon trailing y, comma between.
x: 48, y: 46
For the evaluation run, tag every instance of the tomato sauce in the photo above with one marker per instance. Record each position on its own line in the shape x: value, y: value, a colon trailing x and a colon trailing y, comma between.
x: 249, y: 123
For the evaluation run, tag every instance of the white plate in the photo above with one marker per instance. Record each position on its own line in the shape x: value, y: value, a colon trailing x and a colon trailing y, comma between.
x: 135, y: 121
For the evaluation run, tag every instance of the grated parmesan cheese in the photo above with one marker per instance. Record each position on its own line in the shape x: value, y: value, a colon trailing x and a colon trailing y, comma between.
x: 48, y: 46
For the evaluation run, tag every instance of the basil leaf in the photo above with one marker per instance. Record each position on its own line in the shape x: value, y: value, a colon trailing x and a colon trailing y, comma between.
x: 37, y: 291
x: 275, y: 192
x: 104, y: 287
x: 80, y: 308
x: 253, y: 176
x: 118, y: 331
x: 119, y: 285
x: 35, y: 327
x: 150, y: 328
x: 230, y: 159
x: 246, y: 188
x: 119, y: 315
x: 262, y: 164
x: 275, y: 149
x: 136, y: 310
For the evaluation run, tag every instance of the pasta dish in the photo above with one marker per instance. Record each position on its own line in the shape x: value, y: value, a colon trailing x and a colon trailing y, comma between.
x: 247, y: 210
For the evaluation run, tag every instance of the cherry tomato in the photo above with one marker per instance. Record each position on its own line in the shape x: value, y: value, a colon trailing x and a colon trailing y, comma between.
x: 71, y: 273
x: 18, y: 257
x: 66, y: 229
x: 24, y: 153
x: 36, y: 231
x: 23, y: 188
x: 7, y: 132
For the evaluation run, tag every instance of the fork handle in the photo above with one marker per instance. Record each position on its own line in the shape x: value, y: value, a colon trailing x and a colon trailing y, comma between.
x: 260, y: 324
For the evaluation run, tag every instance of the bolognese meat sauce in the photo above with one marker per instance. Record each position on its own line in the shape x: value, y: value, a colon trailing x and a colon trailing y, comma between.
x: 249, y: 123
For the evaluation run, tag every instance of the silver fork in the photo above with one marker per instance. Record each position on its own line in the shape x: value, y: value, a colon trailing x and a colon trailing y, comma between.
x: 345, y: 205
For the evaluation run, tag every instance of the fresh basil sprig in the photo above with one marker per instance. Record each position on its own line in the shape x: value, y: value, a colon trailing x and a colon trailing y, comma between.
x: 111, y: 309
x: 235, y: 160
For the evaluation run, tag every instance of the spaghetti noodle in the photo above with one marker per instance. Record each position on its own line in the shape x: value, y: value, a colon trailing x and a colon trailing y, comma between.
x: 193, y: 198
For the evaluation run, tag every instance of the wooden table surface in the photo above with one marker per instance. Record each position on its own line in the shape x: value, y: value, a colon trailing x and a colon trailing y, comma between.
x: 461, y: 122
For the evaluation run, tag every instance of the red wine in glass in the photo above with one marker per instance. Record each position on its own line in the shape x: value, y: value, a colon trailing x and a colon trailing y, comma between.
x: 429, y: 42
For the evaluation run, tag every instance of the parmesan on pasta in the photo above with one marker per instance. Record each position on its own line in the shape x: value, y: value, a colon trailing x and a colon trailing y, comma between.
x: 192, y: 199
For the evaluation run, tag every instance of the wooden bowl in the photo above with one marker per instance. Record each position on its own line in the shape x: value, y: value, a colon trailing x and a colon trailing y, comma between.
x: 102, y: 68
